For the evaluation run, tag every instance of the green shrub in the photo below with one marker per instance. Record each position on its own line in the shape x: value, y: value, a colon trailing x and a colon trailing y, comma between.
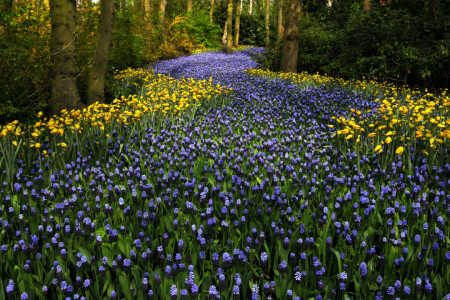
x: 201, y: 31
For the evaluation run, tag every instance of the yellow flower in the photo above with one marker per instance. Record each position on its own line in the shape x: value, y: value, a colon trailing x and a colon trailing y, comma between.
x: 349, y: 136
x: 372, y: 134
x: 378, y: 149
x: 388, y: 140
x: 14, y: 143
x: 399, y: 150
x: 424, y: 152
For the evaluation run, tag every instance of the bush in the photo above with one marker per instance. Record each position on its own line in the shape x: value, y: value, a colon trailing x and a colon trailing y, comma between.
x: 399, y: 44
x: 24, y: 53
x: 201, y: 31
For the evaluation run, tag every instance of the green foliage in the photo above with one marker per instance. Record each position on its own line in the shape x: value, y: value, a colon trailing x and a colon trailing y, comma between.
x: 399, y: 44
x: 24, y: 52
x: 252, y: 30
x: 128, y: 43
x: 201, y: 31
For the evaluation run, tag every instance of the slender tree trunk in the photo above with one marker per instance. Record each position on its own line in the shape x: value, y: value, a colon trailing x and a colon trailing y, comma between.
x: 432, y: 9
x: 62, y: 48
x: 211, y: 10
x: 189, y: 6
x: 7, y: 5
x: 146, y: 6
x: 267, y: 16
x: 237, y: 23
x: 162, y: 13
x: 96, y: 84
x: 224, y: 36
x: 289, y: 51
x: 367, y: 6
x: 250, y: 7
x: 280, y: 18
x: 230, y: 27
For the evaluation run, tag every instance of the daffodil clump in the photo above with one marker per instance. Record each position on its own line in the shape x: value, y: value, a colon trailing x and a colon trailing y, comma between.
x: 421, y: 121
x: 144, y: 97
x: 164, y: 94
x: 398, y: 117
x: 306, y: 80
x: 155, y: 94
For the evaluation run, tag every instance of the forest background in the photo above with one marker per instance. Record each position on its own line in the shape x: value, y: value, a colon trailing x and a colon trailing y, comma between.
x: 402, y: 42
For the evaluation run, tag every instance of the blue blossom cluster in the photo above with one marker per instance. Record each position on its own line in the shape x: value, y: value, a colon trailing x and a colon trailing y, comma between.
x: 250, y: 200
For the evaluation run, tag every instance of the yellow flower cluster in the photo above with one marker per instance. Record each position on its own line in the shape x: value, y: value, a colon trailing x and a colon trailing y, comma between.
x: 158, y: 95
x: 402, y: 120
x: 203, y: 49
x: 304, y: 79
x: 403, y: 116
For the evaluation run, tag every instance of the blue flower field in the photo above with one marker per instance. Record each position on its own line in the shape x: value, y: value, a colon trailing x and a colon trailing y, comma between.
x: 252, y: 195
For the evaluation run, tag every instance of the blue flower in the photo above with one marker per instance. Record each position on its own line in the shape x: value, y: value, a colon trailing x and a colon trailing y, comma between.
x: 363, y: 269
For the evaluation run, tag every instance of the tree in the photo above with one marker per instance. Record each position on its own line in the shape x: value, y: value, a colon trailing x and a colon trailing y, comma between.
x: 250, y: 7
x: 7, y: 5
x: 267, y: 15
x: 211, y: 10
x: 96, y: 83
x: 280, y: 18
x: 367, y: 6
x: 189, y: 6
x: 64, y: 93
x: 162, y: 13
x: 237, y: 22
x: 289, y: 51
x: 146, y: 5
x: 229, y: 28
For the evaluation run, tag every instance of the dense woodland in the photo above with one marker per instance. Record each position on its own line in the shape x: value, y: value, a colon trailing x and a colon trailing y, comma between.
x: 63, y: 54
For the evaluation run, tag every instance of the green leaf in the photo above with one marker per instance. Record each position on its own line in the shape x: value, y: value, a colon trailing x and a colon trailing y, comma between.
x: 2, y: 290
x: 48, y: 278
x: 86, y: 253
x: 121, y: 246
x: 338, y: 256
x: 125, y: 286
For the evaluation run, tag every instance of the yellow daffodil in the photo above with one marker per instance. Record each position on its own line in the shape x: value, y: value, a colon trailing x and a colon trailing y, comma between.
x: 378, y: 149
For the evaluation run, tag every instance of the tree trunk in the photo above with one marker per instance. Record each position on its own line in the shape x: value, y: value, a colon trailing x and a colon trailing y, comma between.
x: 250, y: 7
x: 189, y: 6
x: 432, y: 9
x: 162, y: 13
x: 267, y: 15
x: 237, y: 23
x: 224, y: 36
x: 7, y: 5
x: 96, y: 84
x: 367, y: 6
x: 280, y: 18
x: 146, y: 6
x: 289, y: 51
x: 230, y: 27
x: 211, y: 10
x: 62, y: 48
